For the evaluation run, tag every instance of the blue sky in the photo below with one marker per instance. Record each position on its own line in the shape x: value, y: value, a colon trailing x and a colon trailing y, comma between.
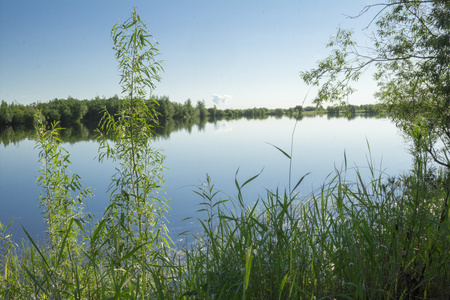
x: 246, y: 52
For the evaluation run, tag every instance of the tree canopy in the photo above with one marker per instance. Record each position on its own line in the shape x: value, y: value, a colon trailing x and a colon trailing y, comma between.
x: 410, y: 49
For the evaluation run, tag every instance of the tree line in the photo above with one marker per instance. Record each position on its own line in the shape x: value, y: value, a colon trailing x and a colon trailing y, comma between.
x: 71, y: 111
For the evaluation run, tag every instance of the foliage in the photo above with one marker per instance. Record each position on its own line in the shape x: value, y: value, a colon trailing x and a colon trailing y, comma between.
x: 410, y: 50
x: 16, y: 114
x: 201, y: 107
x: 67, y: 111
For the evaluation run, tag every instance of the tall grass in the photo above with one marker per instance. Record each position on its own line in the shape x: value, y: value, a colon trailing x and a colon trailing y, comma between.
x: 367, y: 240
x: 376, y: 237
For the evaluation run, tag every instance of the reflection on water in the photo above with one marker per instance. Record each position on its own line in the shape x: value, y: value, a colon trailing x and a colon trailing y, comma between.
x: 86, y: 132
x: 222, y: 126
x: 73, y: 134
x: 14, y: 135
x: 194, y: 149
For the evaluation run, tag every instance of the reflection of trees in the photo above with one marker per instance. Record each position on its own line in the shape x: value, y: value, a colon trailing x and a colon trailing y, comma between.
x: 371, y: 115
x: 349, y: 116
x: 71, y: 134
x: 86, y: 131
x: 15, y: 134
x: 201, y: 125
x: 311, y: 116
x: 77, y: 133
x: 169, y: 126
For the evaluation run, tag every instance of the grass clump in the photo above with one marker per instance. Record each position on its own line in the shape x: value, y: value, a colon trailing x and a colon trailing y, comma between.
x: 377, y: 240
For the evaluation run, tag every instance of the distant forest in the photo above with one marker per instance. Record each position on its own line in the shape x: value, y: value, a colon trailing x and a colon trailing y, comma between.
x: 71, y: 111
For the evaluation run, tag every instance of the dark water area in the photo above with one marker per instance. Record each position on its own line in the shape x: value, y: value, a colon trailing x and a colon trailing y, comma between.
x: 218, y: 149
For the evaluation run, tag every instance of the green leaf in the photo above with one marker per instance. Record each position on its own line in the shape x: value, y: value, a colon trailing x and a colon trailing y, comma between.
x: 283, y: 282
x: 97, y: 229
x: 251, y: 179
x: 300, y: 181
x: 279, y: 149
x: 129, y: 254
x: 63, y: 244
x: 34, y: 279
x: 36, y: 247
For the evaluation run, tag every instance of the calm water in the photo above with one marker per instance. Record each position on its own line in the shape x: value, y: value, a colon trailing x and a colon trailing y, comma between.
x: 219, y: 150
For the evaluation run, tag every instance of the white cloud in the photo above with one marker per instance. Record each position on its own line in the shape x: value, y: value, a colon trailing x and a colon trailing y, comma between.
x: 220, y: 99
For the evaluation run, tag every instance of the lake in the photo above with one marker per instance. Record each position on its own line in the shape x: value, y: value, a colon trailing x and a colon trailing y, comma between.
x: 218, y: 149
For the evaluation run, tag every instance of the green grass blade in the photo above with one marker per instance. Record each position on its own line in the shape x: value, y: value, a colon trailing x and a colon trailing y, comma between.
x: 36, y: 282
x: 129, y: 254
x: 36, y: 247
x: 300, y: 181
x: 281, y: 150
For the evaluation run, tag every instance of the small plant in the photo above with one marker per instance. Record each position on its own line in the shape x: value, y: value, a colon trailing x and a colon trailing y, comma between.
x: 57, y: 197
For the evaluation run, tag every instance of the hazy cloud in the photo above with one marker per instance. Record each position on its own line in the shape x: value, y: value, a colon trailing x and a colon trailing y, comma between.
x: 220, y: 99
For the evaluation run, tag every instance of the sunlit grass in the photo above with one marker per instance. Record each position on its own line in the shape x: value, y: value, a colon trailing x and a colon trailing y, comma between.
x: 381, y: 239
x: 371, y: 238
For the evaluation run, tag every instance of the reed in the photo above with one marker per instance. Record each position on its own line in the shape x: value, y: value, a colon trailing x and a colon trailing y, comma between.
x: 384, y: 238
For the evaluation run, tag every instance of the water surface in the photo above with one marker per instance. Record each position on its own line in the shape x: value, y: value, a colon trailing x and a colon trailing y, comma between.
x: 218, y: 149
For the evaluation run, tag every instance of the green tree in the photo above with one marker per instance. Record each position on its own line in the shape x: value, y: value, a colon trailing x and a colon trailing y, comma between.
x: 16, y: 114
x: 77, y: 109
x: 188, y: 109
x: 278, y: 112
x: 298, y: 109
x: 165, y: 108
x: 212, y: 111
x: 201, y: 107
x: 411, y: 53
x: 5, y: 113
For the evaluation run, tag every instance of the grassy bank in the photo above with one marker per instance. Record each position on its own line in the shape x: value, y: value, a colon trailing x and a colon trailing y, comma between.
x: 374, y: 238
